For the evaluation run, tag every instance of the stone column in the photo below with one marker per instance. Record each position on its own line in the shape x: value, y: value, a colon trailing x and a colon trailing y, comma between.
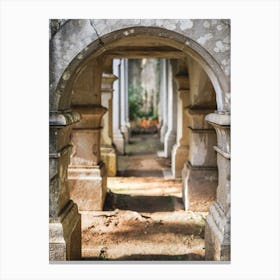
x: 118, y: 137
x: 64, y: 218
x: 199, y: 176
x: 170, y: 137
x: 108, y: 151
x: 126, y: 119
x: 217, y: 230
x: 124, y: 99
x: 180, y: 151
x: 163, y: 99
x: 86, y: 173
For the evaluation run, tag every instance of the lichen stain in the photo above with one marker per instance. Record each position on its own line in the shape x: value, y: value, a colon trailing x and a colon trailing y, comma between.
x: 225, y: 61
x: 227, y: 70
x: 127, y: 32
x: 186, y: 24
x: 203, y: 39
x: 206, y: 24
x: 221, y: 47
x: 66, y: 76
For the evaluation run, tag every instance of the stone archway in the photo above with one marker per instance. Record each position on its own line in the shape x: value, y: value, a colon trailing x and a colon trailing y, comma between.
x: 79, y: 43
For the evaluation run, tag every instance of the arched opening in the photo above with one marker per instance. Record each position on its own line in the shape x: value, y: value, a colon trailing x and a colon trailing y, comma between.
x: 87, y: 173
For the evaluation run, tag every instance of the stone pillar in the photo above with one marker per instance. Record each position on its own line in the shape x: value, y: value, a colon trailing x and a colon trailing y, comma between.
x: 125, y: 126
x: 64, y: 218
x: 118, y: 137
x: 163, y: 99
x: 170, y: 137
x: 108, y: 151
x: 86, y: 173
x: 180, y: 151
x: 217, y: 230
x: 127, y: 121
x: 199, y: 176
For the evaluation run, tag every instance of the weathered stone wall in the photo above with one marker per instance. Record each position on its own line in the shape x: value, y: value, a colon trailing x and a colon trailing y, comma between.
x: 74, y: 40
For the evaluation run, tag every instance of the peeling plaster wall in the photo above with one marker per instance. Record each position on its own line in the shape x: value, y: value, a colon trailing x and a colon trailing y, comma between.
x: 70, y: 38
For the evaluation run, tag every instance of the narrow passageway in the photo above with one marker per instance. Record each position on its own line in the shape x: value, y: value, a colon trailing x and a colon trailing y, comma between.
x: 140, y: 159
x: 143, y: 217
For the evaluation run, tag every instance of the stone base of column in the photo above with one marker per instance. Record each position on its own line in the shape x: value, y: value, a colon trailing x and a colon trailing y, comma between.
x: 118, y: 140
x: 65, y: 235
x: 169, y: 142
x: 179, y: 157
x: 109, y: 157
x: 88, y: 186
x: 163, y: 131
x: 217, y: 235
x: 126, y: 133
x: 199, y: 187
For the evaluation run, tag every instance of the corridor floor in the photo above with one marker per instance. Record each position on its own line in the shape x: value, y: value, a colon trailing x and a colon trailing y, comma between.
x: 143, y: 218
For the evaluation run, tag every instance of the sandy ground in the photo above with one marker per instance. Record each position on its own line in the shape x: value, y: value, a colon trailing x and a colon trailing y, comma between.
x: 143, y: 217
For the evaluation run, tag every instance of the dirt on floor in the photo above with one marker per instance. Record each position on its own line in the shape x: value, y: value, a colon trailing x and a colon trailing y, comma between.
x: 143, y: 217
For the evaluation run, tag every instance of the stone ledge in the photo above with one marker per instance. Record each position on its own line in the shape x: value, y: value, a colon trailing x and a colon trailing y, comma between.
x: 85, y: 172
x: 62, y: 152
x: 201, y: 130
x: 63, y: 119
x: 199, y: 110
x: 92, y: 109
x: 200, y: 167
x: 218, y: 119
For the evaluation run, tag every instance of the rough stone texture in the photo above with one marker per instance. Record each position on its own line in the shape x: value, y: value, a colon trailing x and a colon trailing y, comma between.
x: 86, y: 136
x: 217, y: 235
x: 60, y: 149
x: 217, y: 231
x: 88, y: 187
x: 180, y: 151
x: 64, y: 221
x: 206, y: 40
x: 86, y: 174
x: 200, y: 174
x: 59, y: 137
x: 199, y: 187
x: 65, y: 235
x: 106, y: 101
x: 108, y: 152
x: 202, y: 142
